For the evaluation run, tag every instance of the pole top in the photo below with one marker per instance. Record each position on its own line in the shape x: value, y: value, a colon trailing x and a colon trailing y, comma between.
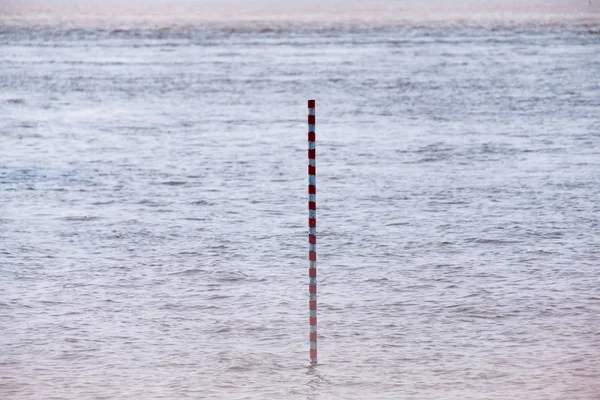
x: 311, y: 104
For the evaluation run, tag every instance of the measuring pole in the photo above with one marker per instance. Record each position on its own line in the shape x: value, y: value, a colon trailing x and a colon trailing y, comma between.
x: 312, y: 231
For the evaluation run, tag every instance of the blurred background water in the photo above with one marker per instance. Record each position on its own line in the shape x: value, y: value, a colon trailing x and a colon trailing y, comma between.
x: 153, y: 199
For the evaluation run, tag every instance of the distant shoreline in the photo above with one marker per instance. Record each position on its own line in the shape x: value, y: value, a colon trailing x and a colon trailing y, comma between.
x: 271, y: 15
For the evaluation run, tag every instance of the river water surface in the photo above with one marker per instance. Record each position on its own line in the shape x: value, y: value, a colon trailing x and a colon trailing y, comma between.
x: 153, y: 206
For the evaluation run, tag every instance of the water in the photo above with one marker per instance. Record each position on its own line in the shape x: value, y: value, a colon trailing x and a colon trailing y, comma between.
x: 153, y: 205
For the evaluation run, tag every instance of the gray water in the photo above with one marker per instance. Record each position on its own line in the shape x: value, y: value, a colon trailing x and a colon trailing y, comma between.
x: 153, y: 216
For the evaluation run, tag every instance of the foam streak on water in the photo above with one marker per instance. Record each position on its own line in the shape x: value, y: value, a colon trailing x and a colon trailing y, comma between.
x: 153, y: 208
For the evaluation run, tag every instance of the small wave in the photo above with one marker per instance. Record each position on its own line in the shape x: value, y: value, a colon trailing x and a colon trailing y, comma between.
x: 230, y: 276
x: 102, y: 203
x: 397, y: 223
x: 382, y: 279
x: 79, y: 218
x: 174, y: 183
x: 241, y: 368
x: 492, y: 241
x: 218, y: 297
x: 426, y: 160
x: 50, y: 302
x: 15, y: 101
x: 202, y: 203
x: 191, y: 271
x: 150, y: 203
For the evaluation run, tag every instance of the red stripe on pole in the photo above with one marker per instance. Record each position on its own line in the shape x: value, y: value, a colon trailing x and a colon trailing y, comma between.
x: 313, y: 336
x: 312, y: 256
x: 312, y: 170
x: 312, y: 189
x: 312, y: 239
x: 312, y: 205
x: 312, y: 272
x: 311, y: 119
x: 312, y: 321
x: 311, y: 136
x: 312, y: 289
x: 312, y: 154
x: 312, y: 305
x: 311, y: 104
x: 312, y: 222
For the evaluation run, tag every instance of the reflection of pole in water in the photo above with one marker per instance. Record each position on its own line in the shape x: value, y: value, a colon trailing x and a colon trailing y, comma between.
x: 312, y: 232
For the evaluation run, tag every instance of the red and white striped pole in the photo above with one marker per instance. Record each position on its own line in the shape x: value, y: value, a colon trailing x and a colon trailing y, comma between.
x: 312, y: 231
